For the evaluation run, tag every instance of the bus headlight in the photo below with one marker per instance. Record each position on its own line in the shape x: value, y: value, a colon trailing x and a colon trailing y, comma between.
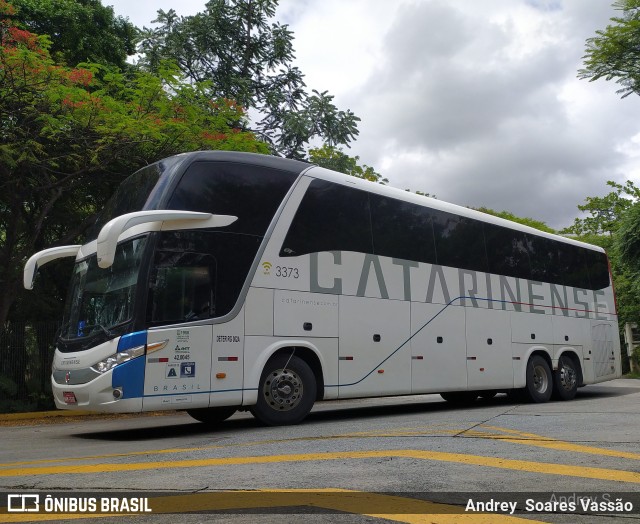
x: 105, y: 365
x: 118, y: 358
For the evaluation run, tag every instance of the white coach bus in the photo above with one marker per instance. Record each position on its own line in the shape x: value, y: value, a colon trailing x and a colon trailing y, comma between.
x: 217, y: 281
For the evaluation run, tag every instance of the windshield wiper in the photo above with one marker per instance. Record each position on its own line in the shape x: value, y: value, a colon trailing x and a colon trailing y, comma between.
x: 90, y: 327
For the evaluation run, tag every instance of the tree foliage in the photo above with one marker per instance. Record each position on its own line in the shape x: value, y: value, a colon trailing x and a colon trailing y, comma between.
x: 614, y: 53
x: 245, y: 56
x: 627, y: 241
x: 507, y: 215
x: 612, y: 224
x: 625, y: 254
x: 334, y: 158
x: 605, y: 212
x: 79, y: 30
x: 68, y: 136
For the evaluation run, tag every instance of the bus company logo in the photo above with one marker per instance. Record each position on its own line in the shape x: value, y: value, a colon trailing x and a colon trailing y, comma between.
x: 182, y: 348
x: 267, y: 267
x: 23, y: 503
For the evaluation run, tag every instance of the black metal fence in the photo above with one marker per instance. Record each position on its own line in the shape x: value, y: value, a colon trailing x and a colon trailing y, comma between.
x: 26, y: 353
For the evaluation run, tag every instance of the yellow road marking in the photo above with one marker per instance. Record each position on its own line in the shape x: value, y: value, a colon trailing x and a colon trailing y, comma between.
x: 475, y: 460
x: 390, y: 507
x: 367, y: 434
x: 531, y: 439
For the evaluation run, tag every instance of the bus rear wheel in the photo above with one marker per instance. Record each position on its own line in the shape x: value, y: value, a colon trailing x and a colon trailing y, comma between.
x: 565, y: 379
x: 539, y: 380
x: 286, y: 392
x: 212, y: 416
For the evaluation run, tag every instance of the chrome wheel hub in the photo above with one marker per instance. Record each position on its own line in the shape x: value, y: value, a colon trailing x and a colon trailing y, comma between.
x: 283, y: 390
x: 568, y: 377
x: 540, y: 379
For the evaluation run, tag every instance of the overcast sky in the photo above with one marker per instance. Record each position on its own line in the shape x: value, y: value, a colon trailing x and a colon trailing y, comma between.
x: 476, y: 102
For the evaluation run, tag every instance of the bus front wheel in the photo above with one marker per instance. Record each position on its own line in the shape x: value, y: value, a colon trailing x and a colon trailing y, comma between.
x: 211, y: 416
x: 286, y: 392
x: 539, y: 380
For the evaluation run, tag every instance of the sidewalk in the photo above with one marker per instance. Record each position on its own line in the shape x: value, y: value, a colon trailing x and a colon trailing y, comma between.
x: 35, y: 415
x: 62, y: 416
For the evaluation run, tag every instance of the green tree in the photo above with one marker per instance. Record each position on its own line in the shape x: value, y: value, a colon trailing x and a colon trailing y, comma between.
x: 614, y: 53
x: 68, y: 136
x: 604, y: 212
x: 625, y: 260
x: 80, y: 30
x: 610, y: 225
x: 334, y: 158
x: 248, y: 58
x: 627, y: 240
x: 531, y: 222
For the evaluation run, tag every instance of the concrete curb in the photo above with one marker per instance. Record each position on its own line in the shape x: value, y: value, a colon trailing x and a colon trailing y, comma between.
x: 35, y: 415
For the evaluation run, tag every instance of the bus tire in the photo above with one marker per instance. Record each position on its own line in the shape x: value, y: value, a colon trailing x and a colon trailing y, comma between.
x: 460, y: 398
x: 565, y: 379
x: 285, y: 395
x: 212, y: 416
x: 539, y: 380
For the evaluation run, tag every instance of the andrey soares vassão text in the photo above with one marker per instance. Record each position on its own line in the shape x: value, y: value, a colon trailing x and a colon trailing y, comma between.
x: 587, y: 504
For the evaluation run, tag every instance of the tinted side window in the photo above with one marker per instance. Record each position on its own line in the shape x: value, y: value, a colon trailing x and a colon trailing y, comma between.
x: 198, y: 274
x: 331, y: 217
x: 401, y: 230
x: 130, y: 196
x: 598, y: 269
x: 543, y: 255
x: 506, y: 251
x: 459, y: 241
x: 251, y: 193
x: 572, y: 266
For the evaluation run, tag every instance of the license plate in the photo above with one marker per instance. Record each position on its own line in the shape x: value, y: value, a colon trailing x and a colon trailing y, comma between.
x: 69, y: 397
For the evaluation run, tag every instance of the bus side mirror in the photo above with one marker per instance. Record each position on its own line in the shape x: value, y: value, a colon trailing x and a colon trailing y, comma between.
x: 156, y: 220
x: 42, y: 257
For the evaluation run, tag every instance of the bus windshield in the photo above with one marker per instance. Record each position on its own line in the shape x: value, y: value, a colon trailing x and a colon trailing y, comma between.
x: 100, y: 299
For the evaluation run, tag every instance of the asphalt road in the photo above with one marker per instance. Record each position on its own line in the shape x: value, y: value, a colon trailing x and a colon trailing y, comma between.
x: 402, y: 459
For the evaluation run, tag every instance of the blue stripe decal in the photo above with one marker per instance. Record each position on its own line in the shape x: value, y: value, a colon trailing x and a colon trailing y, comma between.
x: 130, y: 377
x: 489, y: 300
x: 200, y: 392
x: 132, y: 340
x: 399, y: 347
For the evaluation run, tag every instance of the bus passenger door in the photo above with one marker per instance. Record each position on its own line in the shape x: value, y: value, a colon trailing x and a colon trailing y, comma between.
x: 438, y: 348
x: 489, y: 359
x: 178, y: 372
x: 227, y: 363
x: 374, y: 356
